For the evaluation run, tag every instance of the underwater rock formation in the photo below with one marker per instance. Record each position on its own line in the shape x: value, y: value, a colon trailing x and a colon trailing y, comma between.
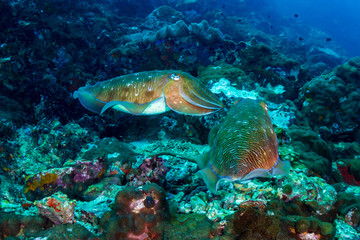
x: 162, y: 16
x: 137, y: 213
x: 268, y: 66
x: 67, y: 231
x: 47, y: 143
x: 313, y: 192
x: 252, y: 223
x: 338, y: 91
x: 152, y: 170
x: 57, y: 208
x: 227, y: 71
x: 116, y: 152
x: 313, y: 151
x: 72, y: 180
x: 176, y: 30
x: 12, y: 224
x: 205, y: 34
x: 201, y: 32
x: 181, y: 226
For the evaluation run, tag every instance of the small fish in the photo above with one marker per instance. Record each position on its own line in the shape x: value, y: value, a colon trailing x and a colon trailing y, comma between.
x: 328, y: 39
x: 114, y: 172
x: 243, y: 146
x: 148, y: 93
x: 301, y: 39
x: 296, y: 15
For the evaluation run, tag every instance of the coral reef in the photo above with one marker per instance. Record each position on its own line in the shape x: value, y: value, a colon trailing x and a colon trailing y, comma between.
x: 339, y: 91
x: 152, y: 170
x: 206, y: 34
x: 57, y: 208
x: 313, y: 151
x: 72, y: 180
x: 251, y: 223
x: 313, y: 192
x: 224, y: 70
x: 47, y: 143
x: 137, y: 213
x: 67, y: 231
x: 345, y: 231
x: 197, y: 226
x: 66, y: 173
x: 272, y: 68
x: 349, y: 170
x: 11, y: 110
x: 116, y: 152
x: 12, y: 224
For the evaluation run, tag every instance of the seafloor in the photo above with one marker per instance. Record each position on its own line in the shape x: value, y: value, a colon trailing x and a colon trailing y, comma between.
x: 68, y: 173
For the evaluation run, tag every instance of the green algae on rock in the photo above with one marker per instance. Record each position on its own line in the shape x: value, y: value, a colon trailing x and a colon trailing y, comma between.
x: 313, y: 151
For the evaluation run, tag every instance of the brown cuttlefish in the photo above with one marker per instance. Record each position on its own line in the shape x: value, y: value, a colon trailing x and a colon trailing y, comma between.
x: 152, y: 92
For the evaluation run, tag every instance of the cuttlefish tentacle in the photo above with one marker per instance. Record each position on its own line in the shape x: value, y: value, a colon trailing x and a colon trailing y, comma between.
x: 150, y: 92
x: 198, y: 95
x: 180, y: 99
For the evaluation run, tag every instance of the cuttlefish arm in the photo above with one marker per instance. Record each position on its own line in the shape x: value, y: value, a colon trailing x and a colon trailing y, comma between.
x: 185, y: 94
x: 151, y: 92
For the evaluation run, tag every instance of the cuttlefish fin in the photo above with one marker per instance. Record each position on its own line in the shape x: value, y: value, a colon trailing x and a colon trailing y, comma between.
x: 257, y: 173
x: 210, y: 178
x: 89, y: 101
x: 128, y: 107
x: 206, y: 173
x: 152, y: 107
x: 203, y: 160
x: 281, y: 168
x: 176, y: 102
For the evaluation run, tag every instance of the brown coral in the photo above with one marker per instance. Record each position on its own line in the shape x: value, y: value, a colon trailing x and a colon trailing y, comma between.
x: 251, y: 223
x: 138, y: 214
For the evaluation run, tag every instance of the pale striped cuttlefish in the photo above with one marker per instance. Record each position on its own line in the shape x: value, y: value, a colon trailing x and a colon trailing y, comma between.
x: 243, y: 146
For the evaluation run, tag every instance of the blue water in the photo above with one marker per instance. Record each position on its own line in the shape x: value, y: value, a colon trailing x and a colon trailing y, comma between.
x: 340, y: 19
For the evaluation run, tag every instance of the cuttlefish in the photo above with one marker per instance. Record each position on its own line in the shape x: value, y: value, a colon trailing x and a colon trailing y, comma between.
x: 242, y: 146
x: 152, y: 92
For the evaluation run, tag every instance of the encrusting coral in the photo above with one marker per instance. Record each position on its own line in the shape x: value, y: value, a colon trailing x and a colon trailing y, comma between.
x: 72, y: 180
x: 152, y: 170
x: 57, y: 208
x: 137, y: 213
x: 338, y: 91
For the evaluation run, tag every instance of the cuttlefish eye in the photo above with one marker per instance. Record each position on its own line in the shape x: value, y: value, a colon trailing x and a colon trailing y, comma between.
x: 149, y: 202
x: 175, y: 77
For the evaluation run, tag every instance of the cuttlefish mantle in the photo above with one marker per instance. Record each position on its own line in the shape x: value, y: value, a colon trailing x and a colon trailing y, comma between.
x: 148, y: 93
